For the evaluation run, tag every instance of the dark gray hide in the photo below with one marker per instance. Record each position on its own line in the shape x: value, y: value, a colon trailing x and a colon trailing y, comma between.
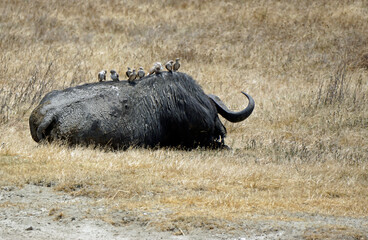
x: 168, y: 109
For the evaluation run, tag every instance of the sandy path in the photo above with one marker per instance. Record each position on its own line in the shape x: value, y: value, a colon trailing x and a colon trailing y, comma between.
x: 35, y: 212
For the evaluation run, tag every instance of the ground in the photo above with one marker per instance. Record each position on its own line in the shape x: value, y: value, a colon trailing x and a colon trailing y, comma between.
x: 38, y: 212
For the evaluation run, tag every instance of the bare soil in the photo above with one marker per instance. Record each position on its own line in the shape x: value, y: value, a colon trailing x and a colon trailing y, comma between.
x: 39, y: 212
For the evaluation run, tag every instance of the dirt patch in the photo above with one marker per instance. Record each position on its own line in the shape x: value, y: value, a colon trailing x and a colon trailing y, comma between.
x: 38, y: 212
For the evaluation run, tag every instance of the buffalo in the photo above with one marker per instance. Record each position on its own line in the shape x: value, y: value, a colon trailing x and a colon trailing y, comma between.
x: 166, y: 109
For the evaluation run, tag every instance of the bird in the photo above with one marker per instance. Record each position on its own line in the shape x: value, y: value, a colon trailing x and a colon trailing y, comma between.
x: 114, y: 76
x: 176, y: 65
x: 141, y: 72
x: 158, y: 67
x: 152, y: 71
x: 169, y: 65
x: 102, y: 76
x: 132, y: 76
x: 128, y: 72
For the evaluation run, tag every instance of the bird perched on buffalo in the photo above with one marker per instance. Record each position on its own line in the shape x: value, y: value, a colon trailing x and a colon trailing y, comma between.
x: 176, y: 65
x: 114, y: 76
x: 102, y: 76
x: 169, y: 65
x: 132, y: 76
x: 127, y: 73
x: 152, y: 71
x: 157, y: 68
x: 141, y: 72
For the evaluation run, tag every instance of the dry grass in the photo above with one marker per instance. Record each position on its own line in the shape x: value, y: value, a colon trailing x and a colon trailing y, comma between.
x: 304, y: 149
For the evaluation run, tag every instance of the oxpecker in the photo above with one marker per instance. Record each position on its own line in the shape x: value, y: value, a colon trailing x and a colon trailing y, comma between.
x: 128, y: 72
x: 158, y: 67
x: 176, y: 65
x: 169, y: 65
x: 132, y: 76
x: 141, y: 72
x: 102, y: 76
x: 114, y: 76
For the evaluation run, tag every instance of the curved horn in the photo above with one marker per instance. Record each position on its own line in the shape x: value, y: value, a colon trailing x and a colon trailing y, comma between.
x: 230, y: 115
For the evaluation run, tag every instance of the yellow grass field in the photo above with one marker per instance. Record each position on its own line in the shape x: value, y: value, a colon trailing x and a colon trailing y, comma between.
x: 304, y: 148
